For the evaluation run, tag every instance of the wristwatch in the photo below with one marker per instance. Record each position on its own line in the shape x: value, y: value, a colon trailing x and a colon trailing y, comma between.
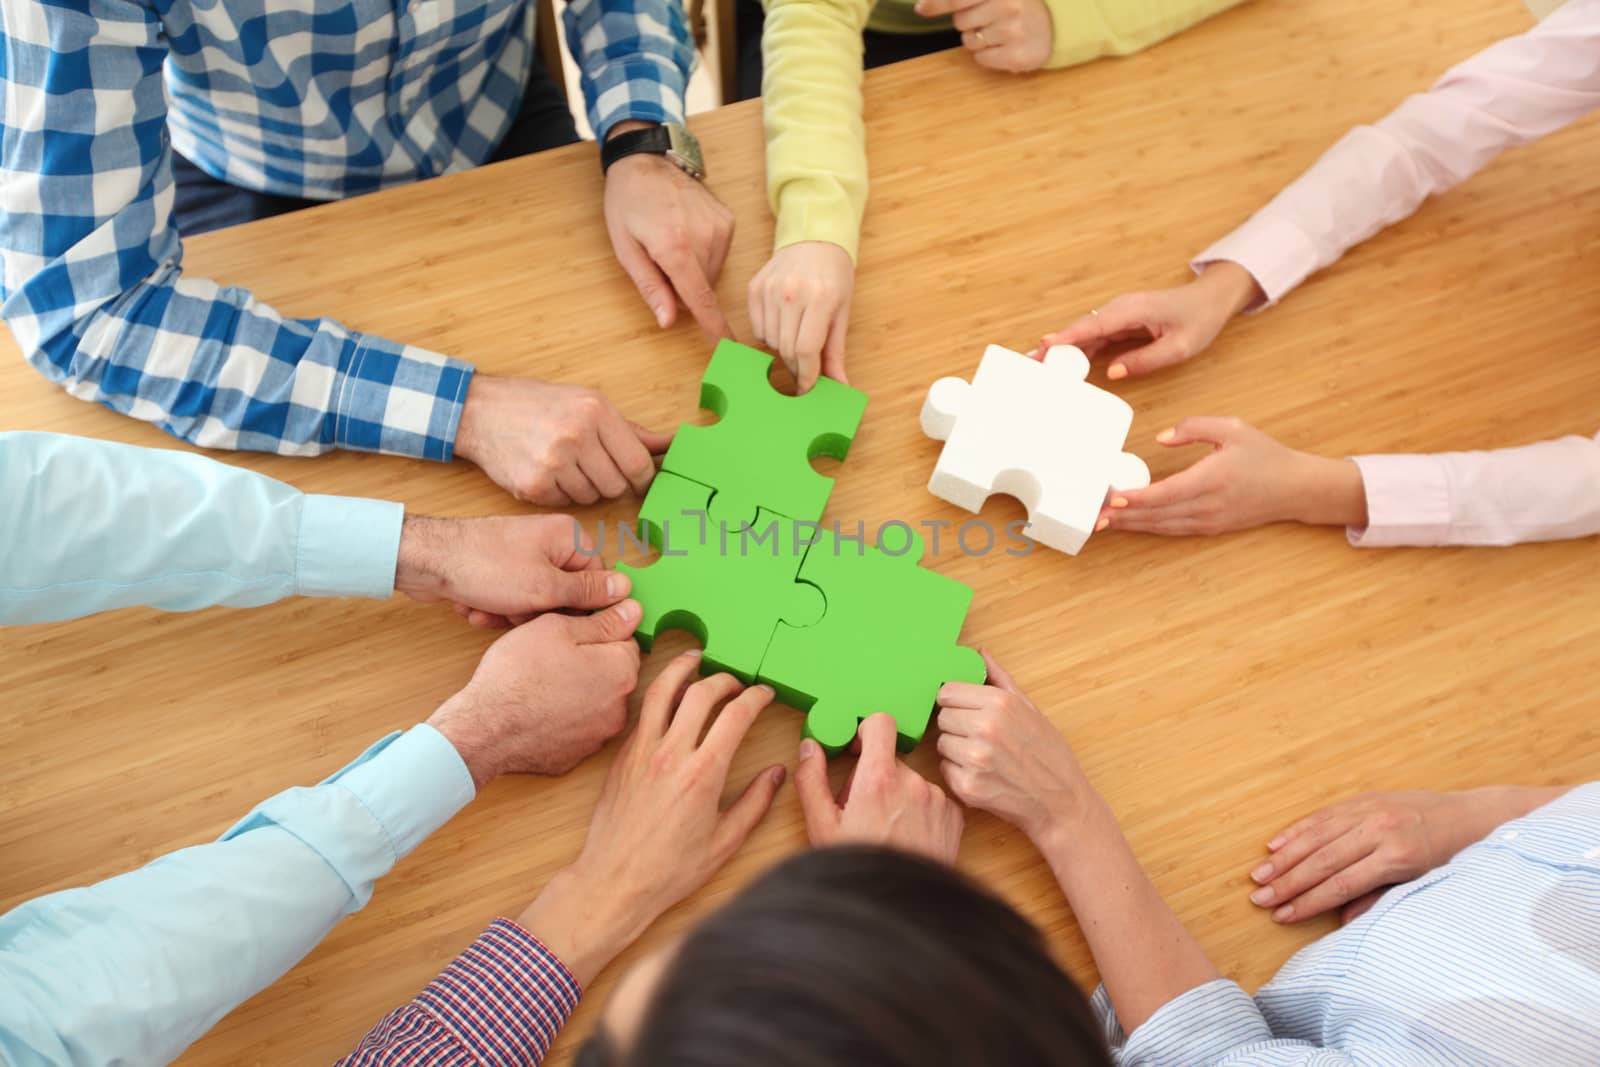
x: 666, y: 139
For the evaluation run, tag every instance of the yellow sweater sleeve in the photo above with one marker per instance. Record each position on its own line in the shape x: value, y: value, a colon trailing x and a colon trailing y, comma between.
x: 1089, y: 29
x: 811, y: 100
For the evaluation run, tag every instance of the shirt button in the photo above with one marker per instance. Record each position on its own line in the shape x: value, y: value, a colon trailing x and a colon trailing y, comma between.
x: 1510, y: 835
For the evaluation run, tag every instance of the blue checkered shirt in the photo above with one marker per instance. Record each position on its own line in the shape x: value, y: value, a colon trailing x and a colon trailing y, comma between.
x: 315, y: 98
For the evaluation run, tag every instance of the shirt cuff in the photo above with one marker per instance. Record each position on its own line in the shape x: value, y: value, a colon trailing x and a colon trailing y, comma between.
x: 348, y: 546
x: 1275, y: 252
x: 635, y: 63
x: 1408, y: 501
x: 412, y: 783
x: 505, y: 998
x: 1199, y: 1026
x: 400, y: 399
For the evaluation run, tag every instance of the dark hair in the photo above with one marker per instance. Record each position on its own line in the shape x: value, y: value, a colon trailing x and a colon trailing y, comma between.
x: 861, y: 956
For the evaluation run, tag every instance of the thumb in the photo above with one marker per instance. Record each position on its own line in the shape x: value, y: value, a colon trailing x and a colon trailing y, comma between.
x: 816, y: 799
x: 603, y: 627
x: 833, y: 350
x: 1201, y: 429
x: 657, y: 443
x: 746, y: 813
x: 587, y: 589
x: 998, y: 675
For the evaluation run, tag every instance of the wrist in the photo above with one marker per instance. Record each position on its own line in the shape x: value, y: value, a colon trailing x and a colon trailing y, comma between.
x: 459, y: 721
x: 1232, y: 287
x: 420, y: 568
x: 1058, y: 833
x: 585, y: 922
x: 1331, y: 493
x: 628, y: 126
x: 472, y: 430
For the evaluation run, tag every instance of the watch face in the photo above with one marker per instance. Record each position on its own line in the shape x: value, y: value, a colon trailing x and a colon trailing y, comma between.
x: 684, y: 150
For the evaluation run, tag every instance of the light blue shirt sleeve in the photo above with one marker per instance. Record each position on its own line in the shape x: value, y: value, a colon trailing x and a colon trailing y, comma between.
x: 133, y: 969
x: 91, y: 525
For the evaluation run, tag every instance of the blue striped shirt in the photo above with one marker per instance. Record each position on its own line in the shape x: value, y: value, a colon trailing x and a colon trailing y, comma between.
x: 310, y: 98
x: 1493, y: 958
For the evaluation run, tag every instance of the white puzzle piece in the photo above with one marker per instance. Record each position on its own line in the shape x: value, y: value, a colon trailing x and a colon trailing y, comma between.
x: 1038, y: 431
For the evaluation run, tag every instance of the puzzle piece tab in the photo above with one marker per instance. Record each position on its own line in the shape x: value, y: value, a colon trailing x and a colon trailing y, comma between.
x: 868, y: 630
x: 723, y: 582
x: 1038, y: 431
x: 758, y: 454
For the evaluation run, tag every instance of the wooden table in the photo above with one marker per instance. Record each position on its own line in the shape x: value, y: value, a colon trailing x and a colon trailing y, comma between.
x: 1215, y: 689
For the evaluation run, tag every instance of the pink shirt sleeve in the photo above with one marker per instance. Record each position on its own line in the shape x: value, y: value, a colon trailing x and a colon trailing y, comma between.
x: 1541, y: 492
x: 1513, y: 92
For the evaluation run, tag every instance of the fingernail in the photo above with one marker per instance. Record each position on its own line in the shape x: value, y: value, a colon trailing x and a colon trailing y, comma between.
x: 1119, y: 501
x: 1101, y: 525
x: 1276, y: 843
x: 1262, y: 896
x: 809, y: 749
x: 631, y: 610
x: 1283, y: 914
x: 1261, y: 873
x: 661, y: 317
x: 1166, y: 436
x: 693, y: 653
x: 1116, y: 372
x: 768, y: 690
x: 617, y: 585
x: 779, y: 774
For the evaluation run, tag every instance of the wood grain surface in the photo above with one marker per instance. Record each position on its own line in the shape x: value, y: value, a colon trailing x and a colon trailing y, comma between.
x: 1215, y: 689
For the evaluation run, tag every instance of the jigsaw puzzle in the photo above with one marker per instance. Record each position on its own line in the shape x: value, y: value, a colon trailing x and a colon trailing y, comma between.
x: 713, y: 579
x: 1038, y: 431
x: 885, y: 628
x: 758, y: 453
x: 840, y: 629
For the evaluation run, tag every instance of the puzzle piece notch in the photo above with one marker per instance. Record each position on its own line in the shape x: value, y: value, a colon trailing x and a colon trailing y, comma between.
x: 758, y: 453
x: 719, y: 583
x: 867, y: 629
x: 1038, y: 431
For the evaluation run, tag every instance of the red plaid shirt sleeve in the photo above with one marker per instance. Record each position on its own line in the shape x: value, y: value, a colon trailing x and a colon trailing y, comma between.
x: 500, y: 1003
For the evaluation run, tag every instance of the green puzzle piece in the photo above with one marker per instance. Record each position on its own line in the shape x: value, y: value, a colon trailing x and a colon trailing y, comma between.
x: 758, y: 453
x: 712, y: 579
x: 883, y: 639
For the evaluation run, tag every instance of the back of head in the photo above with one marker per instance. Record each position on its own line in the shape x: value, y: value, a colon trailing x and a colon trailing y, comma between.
x: 865, y: 957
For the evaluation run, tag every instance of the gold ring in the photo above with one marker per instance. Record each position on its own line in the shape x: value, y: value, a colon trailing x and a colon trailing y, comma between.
x: 1094, y: 311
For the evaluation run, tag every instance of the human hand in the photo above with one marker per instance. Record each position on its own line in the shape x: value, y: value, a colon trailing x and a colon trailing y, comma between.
x: 554, y: 445
x: 1248, y: 480
x: 546, y: 695
x: 659, y: 831
x: 504, y: 570
x: 800, y: 306
x: 884, y: 802
x: 1345, y: 855
x: 1178, y: 323
x: 1000, y: 754
x: 671, y: 234
x: 1009, y: 35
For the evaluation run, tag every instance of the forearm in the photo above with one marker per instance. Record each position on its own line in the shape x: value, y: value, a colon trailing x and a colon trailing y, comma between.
x: 91, y: 526
x: 816, y: 141
x: 1541, y: 492
x: 1513, y: 92
x: 1145, y: 955
x: 138, y: 966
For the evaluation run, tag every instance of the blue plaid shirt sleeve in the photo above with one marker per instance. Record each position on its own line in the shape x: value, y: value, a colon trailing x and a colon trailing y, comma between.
x: 635, y: 56
x: 92, y: 284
